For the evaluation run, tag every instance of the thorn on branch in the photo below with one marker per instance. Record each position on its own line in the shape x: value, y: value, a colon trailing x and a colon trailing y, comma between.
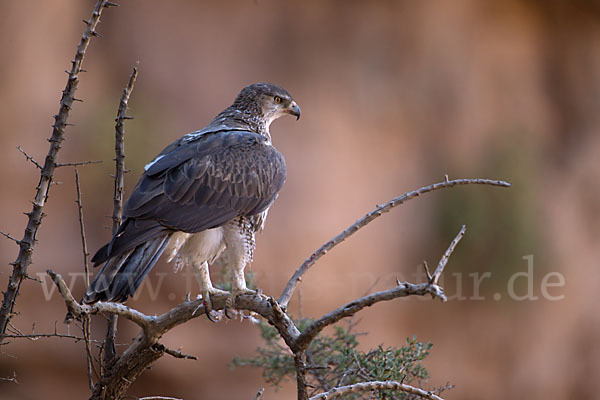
x: 174, y: 353
x: 7, y: 235
x: 32, y: 279
x: 29, y: 158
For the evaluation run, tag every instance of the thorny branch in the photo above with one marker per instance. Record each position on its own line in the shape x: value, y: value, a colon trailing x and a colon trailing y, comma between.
x: 77, y: 163
x: 29, y: 158
x: 120, y: 151
x: 85, y: 327
x: 82, y: 229
x: 119, y: 178
x: 26, y: 245
x: 377, y: 212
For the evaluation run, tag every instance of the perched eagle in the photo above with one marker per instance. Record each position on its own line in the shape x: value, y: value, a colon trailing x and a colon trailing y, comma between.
x: 202, y: 197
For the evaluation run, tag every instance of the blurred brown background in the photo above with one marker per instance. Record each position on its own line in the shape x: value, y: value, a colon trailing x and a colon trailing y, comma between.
x: 394, y: 95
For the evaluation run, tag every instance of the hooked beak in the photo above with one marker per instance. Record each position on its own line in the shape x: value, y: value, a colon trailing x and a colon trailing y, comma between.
x: 293, y: 109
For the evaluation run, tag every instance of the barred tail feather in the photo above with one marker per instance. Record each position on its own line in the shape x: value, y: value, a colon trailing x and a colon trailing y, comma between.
x: 120, y: 276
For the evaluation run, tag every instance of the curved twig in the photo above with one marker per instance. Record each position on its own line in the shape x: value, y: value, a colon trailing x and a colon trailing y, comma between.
x: 446, y: 256
x: 402, y: 290
x: 378, y: 211
x: 375, y: 385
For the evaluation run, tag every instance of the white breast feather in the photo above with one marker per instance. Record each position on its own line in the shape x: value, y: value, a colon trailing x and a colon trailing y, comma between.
x: 186, y: 248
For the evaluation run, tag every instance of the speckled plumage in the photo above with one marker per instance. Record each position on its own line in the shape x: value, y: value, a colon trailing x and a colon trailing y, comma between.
x: 204, y: 196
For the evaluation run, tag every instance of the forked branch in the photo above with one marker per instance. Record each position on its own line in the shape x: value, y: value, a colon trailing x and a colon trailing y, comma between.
x: 402, y: 290
x: 377, y: 212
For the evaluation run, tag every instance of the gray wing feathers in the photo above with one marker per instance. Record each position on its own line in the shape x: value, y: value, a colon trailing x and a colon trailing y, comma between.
x: 205, y: 183
x: 122, y: 275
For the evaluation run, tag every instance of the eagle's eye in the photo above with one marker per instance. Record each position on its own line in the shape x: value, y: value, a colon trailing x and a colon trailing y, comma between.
x: 277, y: 99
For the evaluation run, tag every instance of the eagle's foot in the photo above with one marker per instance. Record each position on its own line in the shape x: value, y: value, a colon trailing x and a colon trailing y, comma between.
x: 207, y: 303
x: 230, y: 303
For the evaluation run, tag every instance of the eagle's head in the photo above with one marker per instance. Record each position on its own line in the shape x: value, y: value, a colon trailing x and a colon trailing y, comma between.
x: 266, y: 102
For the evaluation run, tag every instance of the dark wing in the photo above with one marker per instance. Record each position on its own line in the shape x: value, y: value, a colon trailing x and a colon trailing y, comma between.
x: 201, y: 184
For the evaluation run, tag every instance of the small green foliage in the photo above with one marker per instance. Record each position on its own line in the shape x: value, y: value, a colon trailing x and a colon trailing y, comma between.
x: 275, y: 359
x: 335, y: 361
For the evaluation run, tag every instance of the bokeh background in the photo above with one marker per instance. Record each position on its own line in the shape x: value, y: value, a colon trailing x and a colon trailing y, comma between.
x: 394, y: 95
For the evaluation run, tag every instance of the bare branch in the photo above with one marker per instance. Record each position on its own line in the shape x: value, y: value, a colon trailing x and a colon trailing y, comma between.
x: 77, y: 163
x: 82, y: 229
x: 375, y: 385
x: 77, y: 310
x: 120, y: 151
x: 85, y: 328
x: 402, y: 290
x: 8, y: 236
x: 111, y: 331
x: 91, y: 367
x: 378, y: 211
x: 35, y: 216
x: 37, y: 336
x: 29, y: 158
x: 444, y: 260
x: 174, y: 353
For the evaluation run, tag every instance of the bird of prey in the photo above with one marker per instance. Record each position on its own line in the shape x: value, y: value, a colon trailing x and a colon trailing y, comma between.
x: 203, y: 197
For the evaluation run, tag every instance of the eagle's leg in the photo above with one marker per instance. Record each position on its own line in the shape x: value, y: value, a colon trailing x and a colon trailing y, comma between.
x: 239, y: 241
x: 206, y: 288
